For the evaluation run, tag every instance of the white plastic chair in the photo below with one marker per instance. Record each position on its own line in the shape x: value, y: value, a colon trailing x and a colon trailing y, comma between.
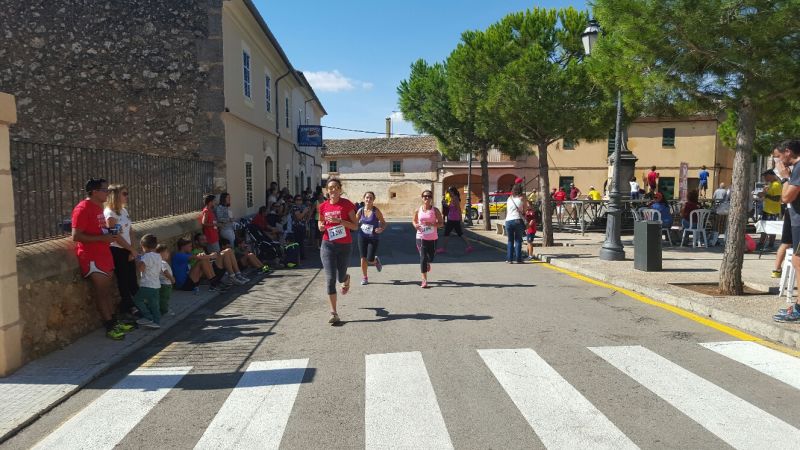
x: 788, y: 278
x: 654, y: 215
x: 697, y: 227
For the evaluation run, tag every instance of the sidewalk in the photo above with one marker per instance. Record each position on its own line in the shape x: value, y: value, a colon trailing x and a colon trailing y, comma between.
x: 681, y: 265
x: 44, y: 383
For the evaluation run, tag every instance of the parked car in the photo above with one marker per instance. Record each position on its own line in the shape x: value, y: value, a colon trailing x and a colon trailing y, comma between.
x: 497, y: 206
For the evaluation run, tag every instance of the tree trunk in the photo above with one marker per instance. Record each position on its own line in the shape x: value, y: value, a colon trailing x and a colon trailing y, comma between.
x: 730, y: 272
x: 484, y: 157
x: 544, y: 196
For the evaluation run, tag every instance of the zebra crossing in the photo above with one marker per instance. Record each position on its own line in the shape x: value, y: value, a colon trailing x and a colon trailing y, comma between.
x: 401, y: 409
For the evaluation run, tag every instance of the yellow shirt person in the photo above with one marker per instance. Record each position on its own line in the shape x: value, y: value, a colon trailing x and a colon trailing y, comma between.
x: 594, y: 194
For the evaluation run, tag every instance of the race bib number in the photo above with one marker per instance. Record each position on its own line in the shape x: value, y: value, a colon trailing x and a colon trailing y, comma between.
x: 367, y: 228
x: 336, y: 232
x: 427, y: 229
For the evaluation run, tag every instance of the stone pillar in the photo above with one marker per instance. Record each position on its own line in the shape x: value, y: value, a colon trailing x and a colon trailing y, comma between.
x: 10, y: 326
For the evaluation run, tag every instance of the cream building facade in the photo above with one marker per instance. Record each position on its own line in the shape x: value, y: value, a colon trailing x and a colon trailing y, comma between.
x: 266, y: 100
x: 397, y: 170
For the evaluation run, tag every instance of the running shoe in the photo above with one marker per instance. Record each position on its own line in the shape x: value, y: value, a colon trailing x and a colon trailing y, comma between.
x: 776, y: 274
x: 144, y: 321
x: 424, y: 284
x: 125, y: 327
x: 469, y: 249
x: 237, y: 281
x: 346, y: 285
x: 153, y: 326
x: 241, y: 276
x: 378, y: 264
x: 792, y: 316
x: 334, y: 319
x: 214, y: 288
x: 291, y: 265
x: 115, y: 334
x: 440, y: 250
x: 364, y: 281
x: 265, y: 269
x: 227, y: 279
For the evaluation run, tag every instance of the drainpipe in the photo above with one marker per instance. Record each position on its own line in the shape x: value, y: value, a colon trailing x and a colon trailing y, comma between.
x: 278, y: 129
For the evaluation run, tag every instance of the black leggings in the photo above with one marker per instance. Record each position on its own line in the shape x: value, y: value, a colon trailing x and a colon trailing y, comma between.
x: 334, y: 260
x: 368, y: 247
x: 427, y: 249
x: 127, y: 282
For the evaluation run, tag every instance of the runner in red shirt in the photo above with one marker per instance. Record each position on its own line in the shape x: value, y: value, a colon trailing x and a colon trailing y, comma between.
x: 93, y: 248
x: 337, y: 217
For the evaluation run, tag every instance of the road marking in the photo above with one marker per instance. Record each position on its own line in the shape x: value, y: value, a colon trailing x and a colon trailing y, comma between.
x: 400, y: 409
x: 732, y: 419
x: 679, y: 311
x: 557, y: 412
x: 256, y: 412
x: 107, y: 420
x: 769, y: 362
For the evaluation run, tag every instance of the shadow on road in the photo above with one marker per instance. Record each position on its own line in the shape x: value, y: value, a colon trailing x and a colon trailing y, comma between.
x: 382, y: 315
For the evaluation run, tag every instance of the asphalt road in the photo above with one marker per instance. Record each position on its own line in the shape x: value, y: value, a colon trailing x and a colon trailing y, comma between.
x: 491, y: 356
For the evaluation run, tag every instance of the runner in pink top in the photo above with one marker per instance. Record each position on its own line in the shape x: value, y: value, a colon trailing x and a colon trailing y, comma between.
x: 427, y: 220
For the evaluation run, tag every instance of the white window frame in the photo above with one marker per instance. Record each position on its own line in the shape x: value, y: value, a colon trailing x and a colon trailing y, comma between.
x: 249, y: 200
x: 247, y: 74
x: 268, y: 90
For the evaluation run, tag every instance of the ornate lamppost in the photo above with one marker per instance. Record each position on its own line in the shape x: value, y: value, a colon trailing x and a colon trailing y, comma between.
x: 612, y: 249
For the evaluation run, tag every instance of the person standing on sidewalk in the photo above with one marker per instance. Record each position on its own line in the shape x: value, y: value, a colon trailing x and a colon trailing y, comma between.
x: 770, y: 207
x: 209, y: 221
x: 454, y: 221
x: 149, y: 266
x: 224, y: 218
x: 515, y: 226
x: 123, y: 251
x: 93, y: 248
x: 337, y: 218
x: 652, y: 180
x: 427, y: 220
x: 789, y: 155
x: 370, y: 225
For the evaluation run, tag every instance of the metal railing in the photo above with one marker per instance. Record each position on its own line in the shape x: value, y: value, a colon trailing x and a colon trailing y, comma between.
x: 48, y: 181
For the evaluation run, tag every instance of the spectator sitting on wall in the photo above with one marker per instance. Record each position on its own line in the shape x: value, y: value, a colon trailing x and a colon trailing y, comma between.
x: 226, y: 270
x: 93, y: 248
x: 246, y: 258
x: 190, y: 268
x: 261, y: 222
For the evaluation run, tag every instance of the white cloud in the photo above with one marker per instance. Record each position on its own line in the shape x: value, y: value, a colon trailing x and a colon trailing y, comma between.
x: 334, y: 81
x: 397, y: 116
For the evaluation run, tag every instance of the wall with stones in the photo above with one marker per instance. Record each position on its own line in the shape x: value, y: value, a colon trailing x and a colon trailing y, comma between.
x: 55, y: 303
x: 139, y: 75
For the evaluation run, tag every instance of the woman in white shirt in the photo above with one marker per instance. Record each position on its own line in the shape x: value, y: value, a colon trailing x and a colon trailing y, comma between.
x: 118, y: 221
x: 515, y: 225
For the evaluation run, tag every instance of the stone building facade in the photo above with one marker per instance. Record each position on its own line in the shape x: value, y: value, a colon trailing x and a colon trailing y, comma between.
x: 397, y: 170
x: 151, y: 76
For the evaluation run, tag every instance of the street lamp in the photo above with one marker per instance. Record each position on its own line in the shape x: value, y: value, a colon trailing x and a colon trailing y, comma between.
x: 612, y: 249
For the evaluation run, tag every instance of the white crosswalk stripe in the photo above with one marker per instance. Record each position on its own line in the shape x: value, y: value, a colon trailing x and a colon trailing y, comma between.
x: 732, y: 419
x: 765, y: 360
x: 558, y: 413
x: 256, y: 412
x: 107, y: 420
x: 401, y: 410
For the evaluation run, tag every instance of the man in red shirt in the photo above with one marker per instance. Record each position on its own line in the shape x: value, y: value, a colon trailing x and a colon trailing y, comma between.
x: 93, y: 248
x: 652, y: 180
x: 559, y: 197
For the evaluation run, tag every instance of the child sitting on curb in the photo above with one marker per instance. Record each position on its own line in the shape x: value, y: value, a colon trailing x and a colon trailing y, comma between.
x: 149, y: 266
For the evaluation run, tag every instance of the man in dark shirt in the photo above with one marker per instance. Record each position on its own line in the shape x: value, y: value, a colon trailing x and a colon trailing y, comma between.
x: 789, y: 155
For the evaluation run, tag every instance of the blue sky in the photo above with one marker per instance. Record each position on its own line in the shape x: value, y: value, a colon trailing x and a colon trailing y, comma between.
x: 356, y: 52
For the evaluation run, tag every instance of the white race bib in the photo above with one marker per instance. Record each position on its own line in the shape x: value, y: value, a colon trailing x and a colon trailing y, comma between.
x: 428, y: 229
x: 336, y: 232
x: 367, y: 228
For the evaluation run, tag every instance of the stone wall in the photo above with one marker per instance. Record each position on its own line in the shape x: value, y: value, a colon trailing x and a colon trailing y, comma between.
x: 138, y: 75
x: 55, y: 303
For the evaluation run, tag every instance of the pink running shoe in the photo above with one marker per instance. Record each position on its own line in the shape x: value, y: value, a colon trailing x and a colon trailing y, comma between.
x: 440, y: 250
x: 424, y: 284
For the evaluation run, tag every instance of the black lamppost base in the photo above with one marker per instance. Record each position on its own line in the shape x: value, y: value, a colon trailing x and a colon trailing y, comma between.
x: 612, y: 254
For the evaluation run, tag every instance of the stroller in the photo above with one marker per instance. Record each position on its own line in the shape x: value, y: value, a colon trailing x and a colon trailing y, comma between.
x: 267, y: 250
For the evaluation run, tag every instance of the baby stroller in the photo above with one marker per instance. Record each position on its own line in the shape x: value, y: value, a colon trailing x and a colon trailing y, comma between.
x: 267, y: 250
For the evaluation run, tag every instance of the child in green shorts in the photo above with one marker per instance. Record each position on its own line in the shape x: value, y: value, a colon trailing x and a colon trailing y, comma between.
x: 166, y: 279
x: 149, y: 266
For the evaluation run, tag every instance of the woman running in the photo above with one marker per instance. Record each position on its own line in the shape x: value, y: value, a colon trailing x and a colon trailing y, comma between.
x: 454, y: 221
x: 427, y: 220
x: 371, y: 224
x: 337, y: 217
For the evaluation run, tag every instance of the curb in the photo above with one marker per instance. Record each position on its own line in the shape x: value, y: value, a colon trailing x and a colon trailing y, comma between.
x: 766, y: 329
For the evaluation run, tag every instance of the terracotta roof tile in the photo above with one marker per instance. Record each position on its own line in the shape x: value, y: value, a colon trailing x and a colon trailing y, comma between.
x: 380, y: 146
